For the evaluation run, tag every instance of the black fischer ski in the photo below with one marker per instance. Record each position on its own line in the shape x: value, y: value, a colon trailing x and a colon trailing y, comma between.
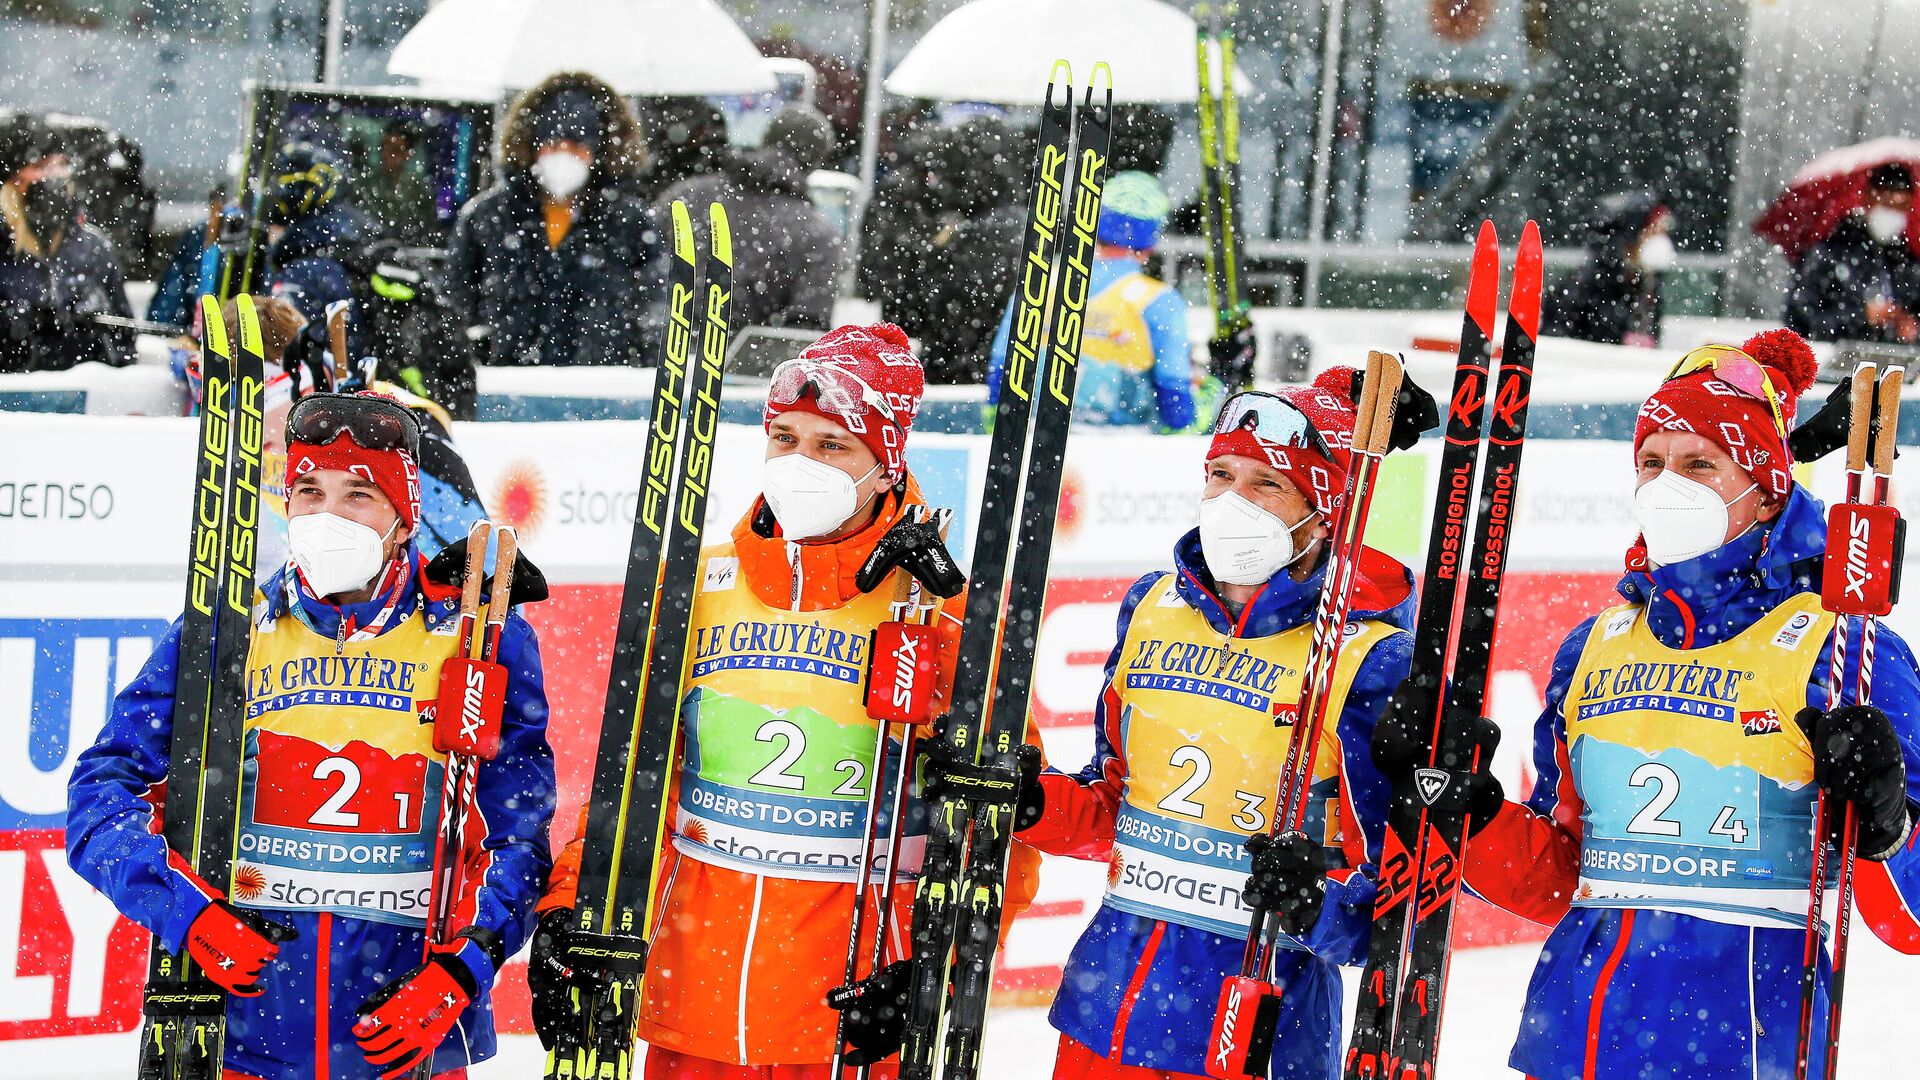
x: 1219, y: 116
x: 1397, y: 1025
x: 627, y: 811
x: 184, y: 1034
x: 958, y: 901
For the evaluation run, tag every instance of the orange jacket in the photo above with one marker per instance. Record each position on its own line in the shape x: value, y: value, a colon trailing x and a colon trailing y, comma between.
x: 740, y: 963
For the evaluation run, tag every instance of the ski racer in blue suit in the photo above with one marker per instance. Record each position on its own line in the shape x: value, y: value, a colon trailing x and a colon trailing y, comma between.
x: 1188, y: 757
x: 1668, y: 838
x: 339, y: 803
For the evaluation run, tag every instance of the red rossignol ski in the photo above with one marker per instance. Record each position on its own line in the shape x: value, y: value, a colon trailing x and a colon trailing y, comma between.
x: 1397, y: 1024
x: 1241, y: 1047
x: 1860, y: 579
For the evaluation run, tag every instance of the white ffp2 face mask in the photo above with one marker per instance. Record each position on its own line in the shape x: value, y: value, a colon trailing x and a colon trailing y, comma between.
x: 1681, y: 519
x: 561, y: 173
x: 1657, y: 254
x: 336, y: 554
x: 1243, y: 543
x: 811, y: 498
x: 1885, y: 224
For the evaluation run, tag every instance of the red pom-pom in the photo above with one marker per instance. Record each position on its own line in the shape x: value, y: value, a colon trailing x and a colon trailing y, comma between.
x: 887, y: 331
x: 1787, y: 353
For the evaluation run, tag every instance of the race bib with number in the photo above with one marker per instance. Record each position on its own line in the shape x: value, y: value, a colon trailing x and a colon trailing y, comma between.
x: 341, y: 786
x: 778, y: 752
x: 1204, y: 759
x: 1697, y: 784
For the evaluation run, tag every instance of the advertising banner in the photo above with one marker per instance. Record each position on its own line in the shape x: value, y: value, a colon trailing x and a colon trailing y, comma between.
x: 92, y: 543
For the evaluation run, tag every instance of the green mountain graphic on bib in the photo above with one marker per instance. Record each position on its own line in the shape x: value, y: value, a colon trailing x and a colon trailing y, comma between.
x: 799, y: 751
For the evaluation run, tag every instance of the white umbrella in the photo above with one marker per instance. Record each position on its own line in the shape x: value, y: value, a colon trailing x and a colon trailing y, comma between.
x: 657, y: 47
x: 1002, y: 50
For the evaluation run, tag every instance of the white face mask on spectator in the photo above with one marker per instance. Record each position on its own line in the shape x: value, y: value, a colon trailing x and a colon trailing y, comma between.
x: 1657, y: 253
x: 561, y: 173
x: 1886, y: 224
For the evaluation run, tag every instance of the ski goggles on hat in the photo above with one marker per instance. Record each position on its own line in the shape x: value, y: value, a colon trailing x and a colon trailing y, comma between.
x: 371, y: 421
x: 838, y: 390
x: 1271, y: 419
x: 1736, y: 369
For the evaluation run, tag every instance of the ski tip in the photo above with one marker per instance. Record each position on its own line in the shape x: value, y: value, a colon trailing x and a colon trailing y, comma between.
x: 249, y: 319
x: 1483, y: 279
x: 213, y: 328
x: 1523, y: 304
x: 1102, y: 74
x: 682, y: 232
x: 1062, y: 76
x: 721, y: 233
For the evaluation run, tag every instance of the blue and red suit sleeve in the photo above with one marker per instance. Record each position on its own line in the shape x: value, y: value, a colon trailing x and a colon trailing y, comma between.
x: 114, y: 801
x: 1527, y: 860
x: 1082, y: 808
x: 1346, y: 920
x: 514, y: 796
x: 1887, y: 893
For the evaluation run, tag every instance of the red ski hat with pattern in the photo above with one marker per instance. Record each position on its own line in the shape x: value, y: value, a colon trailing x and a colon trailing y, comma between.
x: 864, y: 378
x: 1742, y: 400
x: 1304, y: 432
x: 369, y: 435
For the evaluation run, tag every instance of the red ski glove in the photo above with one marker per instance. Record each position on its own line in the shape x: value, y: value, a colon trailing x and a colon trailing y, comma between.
x: 232, y: 946
x: 406, y: 1020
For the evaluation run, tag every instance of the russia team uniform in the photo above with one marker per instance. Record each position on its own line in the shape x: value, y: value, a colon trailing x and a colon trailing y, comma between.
x: 1668, y: 837
x: 1187, y: 761
x: 339, y: 808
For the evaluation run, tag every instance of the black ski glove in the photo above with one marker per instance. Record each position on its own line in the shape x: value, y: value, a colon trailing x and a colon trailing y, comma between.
x: 1287, y: 880
x: 938, y: 771
x: 552, y: 981
x: 1825, y: 431
x: 1414, y: 411
x: 449, y: 568
x: 876, y: 1012
x: 1231, y: 359
x: 917, y: 546
x: 1857, y: 757
x: 1456, y: 785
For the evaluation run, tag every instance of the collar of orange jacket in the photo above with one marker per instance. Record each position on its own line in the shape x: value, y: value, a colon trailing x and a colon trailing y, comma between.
x: 827, y: 569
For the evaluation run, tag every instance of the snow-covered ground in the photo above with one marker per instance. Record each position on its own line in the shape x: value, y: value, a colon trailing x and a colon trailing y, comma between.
x: 1483, y: 1011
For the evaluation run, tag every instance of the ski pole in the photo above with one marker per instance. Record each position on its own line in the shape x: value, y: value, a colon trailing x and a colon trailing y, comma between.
x: 907, y: 612
x: 1858, y: 437
x: 1244, y: 1024
x: 1887, y: 410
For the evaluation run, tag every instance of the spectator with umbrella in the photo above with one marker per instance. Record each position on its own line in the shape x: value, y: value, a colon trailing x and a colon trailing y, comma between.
x: 1844, y: 224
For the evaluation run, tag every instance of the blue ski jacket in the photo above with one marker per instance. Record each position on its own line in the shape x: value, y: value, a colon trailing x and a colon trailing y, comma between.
x: 116, y: 794
x: 1143, y: 991
x: 1651, y: 994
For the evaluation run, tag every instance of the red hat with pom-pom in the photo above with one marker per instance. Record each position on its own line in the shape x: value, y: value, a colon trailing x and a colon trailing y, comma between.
x: 864, y: 378
x: 1743, y: 400
x: 1327, y: 406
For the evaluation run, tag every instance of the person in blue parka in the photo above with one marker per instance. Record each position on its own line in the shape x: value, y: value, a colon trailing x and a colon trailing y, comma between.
x: 1188, y: 759
x: 319, y: 936
x: 1687, y: 734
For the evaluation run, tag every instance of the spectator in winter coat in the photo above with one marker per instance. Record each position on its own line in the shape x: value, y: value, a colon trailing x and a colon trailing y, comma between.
x: 1136, y: 367
x: 940, y: 238
x: 786, y: 253
x: 1614, y: 297
x: 554, y: 265
x: 1862, y: 283
x: 321, y: 955
x: 56, y: 271
x: 310, y: 229
x: 396, y: 193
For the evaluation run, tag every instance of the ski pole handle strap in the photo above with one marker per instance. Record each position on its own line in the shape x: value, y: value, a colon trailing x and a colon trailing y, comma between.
x: 1243, y: 1029
x: 466, y: 717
